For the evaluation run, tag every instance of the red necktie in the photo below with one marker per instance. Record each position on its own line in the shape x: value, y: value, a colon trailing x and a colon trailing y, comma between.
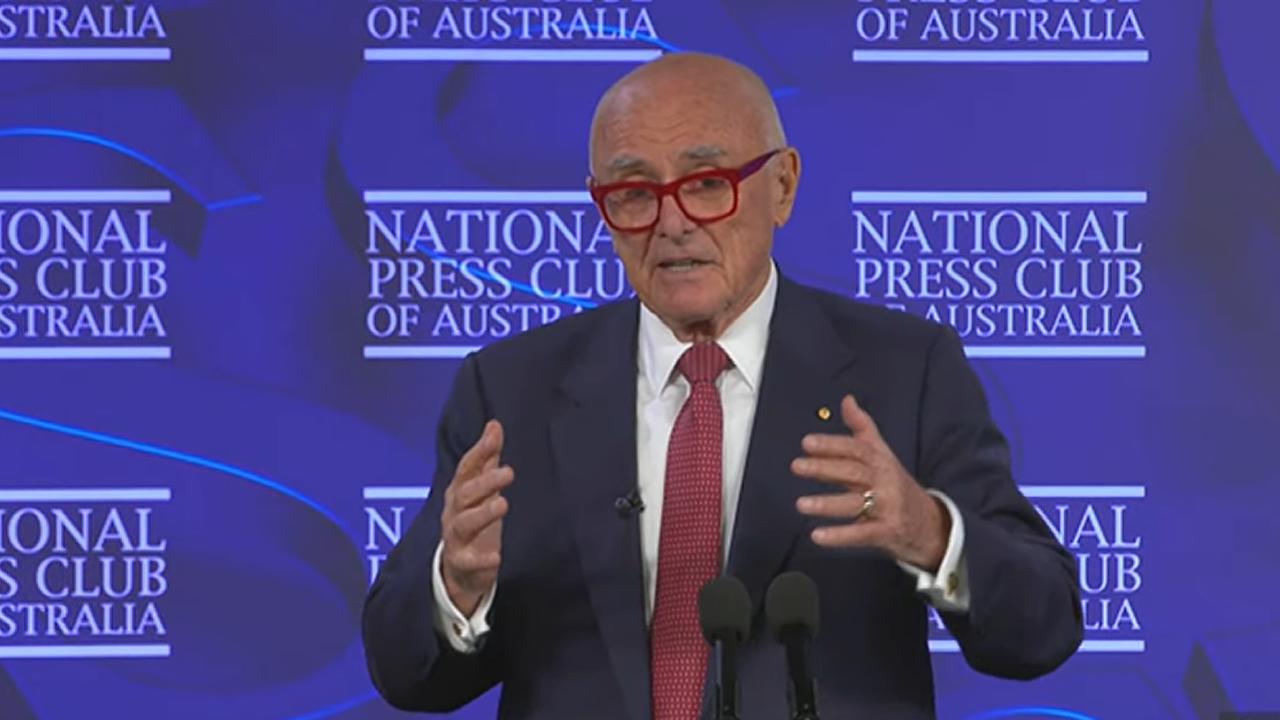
x: 689, y: 540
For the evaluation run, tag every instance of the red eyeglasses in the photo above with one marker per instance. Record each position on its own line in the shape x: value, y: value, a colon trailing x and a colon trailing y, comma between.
x: 705, y: 196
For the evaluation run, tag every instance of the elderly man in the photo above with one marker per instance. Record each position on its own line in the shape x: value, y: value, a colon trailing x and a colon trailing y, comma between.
x: 597, y: 472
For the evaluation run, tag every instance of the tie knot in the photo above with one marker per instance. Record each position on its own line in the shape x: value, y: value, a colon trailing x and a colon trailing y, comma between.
x: 703, y: 362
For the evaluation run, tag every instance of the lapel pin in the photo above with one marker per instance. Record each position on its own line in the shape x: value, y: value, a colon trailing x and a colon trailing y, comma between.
x: 824, y: 413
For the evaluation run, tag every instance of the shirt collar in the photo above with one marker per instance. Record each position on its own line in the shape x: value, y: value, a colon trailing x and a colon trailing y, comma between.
x: 744, y: 341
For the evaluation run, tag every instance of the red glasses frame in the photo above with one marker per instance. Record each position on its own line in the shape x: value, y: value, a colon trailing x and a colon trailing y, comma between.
x: 661, y: 190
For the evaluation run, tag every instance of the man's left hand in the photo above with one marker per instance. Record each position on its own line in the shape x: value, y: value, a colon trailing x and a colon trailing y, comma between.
x: 906, y: 521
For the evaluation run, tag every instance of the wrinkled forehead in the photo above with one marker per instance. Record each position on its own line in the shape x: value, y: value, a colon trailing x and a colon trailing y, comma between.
x: 670, y: 128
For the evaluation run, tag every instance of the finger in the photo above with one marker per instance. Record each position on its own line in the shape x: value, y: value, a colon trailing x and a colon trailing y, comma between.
x: 848, y: 473
x: 836, y: 446
x: 467, y: 525
x: 472, y: 560
x: 484, y: 486
x: 488, y: 446
x: 835, y: 505
x: 500, y: 437
x: 857, y: 419
x: 859, y: 534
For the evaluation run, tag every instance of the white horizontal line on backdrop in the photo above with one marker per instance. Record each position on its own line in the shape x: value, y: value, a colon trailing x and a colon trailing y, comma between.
x: 1027, y: 352
x: 1007, y: 197
x: 17, y: 652
x: 85, y: 53
x: 508, y: 55
x: 1001, y: 56
x: 532, y: 197
x: 85, y: 495
x: 391, y: 492
x: 86, y: 196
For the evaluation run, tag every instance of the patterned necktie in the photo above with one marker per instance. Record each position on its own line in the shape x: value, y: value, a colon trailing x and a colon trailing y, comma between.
x: 689, y: 540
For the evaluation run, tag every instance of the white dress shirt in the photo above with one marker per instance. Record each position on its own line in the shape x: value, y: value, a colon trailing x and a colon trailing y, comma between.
x: 660, y: 392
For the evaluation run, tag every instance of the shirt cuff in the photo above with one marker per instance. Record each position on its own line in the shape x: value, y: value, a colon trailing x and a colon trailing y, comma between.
x: 464, y: 634
x: 948, y: 589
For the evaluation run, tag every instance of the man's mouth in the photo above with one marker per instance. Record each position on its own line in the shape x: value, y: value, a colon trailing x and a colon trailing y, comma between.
x: 684, y: 265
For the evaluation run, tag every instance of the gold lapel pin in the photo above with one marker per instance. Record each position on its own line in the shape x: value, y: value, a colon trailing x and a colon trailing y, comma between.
x: 824, y: 413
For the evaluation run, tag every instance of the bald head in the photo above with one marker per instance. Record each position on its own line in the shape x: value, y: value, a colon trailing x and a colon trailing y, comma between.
x: 726, y: 93
x: 692, y: 143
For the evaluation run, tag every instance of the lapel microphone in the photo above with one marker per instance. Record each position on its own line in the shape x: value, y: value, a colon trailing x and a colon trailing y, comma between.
x: 629, y: 505
x: 724, y: 613
x: 791, y: 609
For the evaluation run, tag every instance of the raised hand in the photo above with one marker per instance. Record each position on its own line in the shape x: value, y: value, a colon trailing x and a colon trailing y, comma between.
x: 472, y: 521
x: 904, y: 520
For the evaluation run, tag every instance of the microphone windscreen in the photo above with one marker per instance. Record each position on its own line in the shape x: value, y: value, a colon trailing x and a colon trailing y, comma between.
x: 791, y: 603
x: 724, y: 610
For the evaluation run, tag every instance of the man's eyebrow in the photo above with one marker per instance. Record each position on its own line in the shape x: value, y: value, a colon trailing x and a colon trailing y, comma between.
x: 623, y: 164
x: 702, y: 153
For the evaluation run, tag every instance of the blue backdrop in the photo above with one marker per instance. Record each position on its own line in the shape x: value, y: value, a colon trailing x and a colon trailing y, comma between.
x: 243, y: 244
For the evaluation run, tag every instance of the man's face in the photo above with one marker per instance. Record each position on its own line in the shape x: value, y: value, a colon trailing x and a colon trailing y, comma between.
x: 694, y: 276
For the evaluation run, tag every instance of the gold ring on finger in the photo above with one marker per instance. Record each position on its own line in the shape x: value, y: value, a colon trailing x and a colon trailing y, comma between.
x: 868, y: 505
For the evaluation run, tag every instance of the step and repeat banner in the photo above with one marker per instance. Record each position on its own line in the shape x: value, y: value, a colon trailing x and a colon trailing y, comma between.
x: 244, y: 244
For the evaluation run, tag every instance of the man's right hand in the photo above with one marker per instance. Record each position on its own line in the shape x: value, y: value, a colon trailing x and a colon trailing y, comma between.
x: 472, y: 521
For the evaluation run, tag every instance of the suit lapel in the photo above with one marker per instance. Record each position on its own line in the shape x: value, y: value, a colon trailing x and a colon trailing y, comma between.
x: 593, y: 436
x: 806, y: 367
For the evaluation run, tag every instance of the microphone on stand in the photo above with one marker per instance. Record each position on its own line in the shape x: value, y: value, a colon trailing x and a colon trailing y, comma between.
x: 791, y: 609
x: 724, y: 612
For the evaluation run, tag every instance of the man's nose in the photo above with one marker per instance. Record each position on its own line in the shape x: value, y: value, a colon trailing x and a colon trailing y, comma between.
x: 672, y: 222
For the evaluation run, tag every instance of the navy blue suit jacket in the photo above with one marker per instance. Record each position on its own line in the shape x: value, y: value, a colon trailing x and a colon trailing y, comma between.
x: 569, y: 636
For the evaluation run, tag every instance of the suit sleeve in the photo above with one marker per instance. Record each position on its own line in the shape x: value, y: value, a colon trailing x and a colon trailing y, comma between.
x: 1024, y: 617
x: 411, y: 665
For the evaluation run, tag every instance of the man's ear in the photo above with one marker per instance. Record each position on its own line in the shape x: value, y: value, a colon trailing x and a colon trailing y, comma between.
x: 786, y: 179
